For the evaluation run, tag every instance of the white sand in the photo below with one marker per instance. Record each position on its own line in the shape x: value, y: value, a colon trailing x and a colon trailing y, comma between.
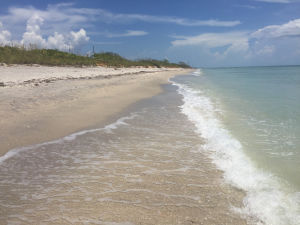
x: 23, y: 74
x: 72, y: 99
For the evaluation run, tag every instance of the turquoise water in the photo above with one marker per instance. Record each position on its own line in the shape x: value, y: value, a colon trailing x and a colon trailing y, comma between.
x: 250, y: 119
x: 263, y: 112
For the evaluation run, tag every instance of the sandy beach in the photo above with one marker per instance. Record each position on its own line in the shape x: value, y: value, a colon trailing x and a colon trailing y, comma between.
x: 136, y: 159
x: 150, y: 112
x: 40, y: 103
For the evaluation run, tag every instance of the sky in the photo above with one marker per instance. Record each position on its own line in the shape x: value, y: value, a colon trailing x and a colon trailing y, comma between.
x: 202, y: 33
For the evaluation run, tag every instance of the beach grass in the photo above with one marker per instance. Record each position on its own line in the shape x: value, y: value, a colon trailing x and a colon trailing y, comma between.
x: 52, y: 57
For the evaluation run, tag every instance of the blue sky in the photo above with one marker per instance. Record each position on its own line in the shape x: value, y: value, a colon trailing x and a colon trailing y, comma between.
x: 201, y: 33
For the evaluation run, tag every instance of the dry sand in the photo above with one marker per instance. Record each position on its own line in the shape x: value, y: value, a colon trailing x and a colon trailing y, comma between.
x: 39, y: 103
x: 20, y: 74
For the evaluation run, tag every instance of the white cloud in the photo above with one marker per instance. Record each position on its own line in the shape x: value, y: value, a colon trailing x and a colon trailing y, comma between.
x: 135, y: 33
x: 265, y: 50
x: 278, y: 1
x: 177, y: 20
x: 128, y: 33
x: 231, y: 41
x: 73, y: 40
x: 32, y: 34
x: 5, y: 35
x: 238, y: 42
x: 108, y: 16
x: 53, y: 27
x: 78, y: 38
x: 55, y: 18
x: 57, y: 41
x: 107, y: 43
x: 33, y: 37
x: 274, y: 1
x: 290, y: 29
x: 246, y: 6
x: 66, y: 15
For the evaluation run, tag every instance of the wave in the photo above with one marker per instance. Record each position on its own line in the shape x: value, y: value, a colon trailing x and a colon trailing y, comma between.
x: 267, y: 200
x: 73, y: 136
x: 198, y: 72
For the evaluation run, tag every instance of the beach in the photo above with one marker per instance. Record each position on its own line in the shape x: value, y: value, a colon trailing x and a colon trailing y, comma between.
x: 150, y: 112
x: 148, y: 146
x: 107, y: 150
x: 40, y: 103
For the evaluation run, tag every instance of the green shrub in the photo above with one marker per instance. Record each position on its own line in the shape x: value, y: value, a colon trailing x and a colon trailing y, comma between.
x: 19, y: 55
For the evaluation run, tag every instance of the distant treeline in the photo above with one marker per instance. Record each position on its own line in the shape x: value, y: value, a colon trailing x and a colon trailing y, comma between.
x: 51, y: 57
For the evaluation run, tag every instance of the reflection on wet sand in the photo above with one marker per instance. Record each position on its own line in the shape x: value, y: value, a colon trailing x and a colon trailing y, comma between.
x: 148, y: 170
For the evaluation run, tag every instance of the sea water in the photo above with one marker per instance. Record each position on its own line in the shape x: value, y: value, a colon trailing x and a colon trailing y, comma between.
x: 250, y: 120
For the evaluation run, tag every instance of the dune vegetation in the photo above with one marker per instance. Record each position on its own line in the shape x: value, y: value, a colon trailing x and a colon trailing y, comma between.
x: 51, y: 57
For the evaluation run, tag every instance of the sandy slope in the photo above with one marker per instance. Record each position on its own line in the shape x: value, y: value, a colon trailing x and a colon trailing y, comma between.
x: 57, y: 101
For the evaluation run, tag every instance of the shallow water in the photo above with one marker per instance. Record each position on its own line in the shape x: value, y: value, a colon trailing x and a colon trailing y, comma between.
x: 148, y: 167
x: 249, y: 119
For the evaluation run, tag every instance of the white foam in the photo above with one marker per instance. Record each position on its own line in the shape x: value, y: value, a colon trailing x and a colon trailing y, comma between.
x: 267, y: 199
x: 107, y: 128
x: 198, y: 72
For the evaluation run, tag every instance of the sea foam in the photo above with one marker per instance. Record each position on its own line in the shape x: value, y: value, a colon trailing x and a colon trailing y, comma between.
x: 107, y: 128
x: 197, y: 72
x: 267, y: 200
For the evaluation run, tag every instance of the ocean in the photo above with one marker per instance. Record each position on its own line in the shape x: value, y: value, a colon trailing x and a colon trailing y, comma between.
x: 217, y: 146
x: 250, y: 120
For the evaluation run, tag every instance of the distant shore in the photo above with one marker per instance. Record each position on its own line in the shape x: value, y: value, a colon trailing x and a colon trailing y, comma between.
x: 41, y: 103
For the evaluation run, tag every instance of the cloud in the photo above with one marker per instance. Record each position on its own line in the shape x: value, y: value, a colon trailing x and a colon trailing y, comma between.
x: 79, y: 38
x: 275, y: 44
x: 265, y: 50
x: 246, y: 6
x: 231, y: 41
x: 5, y: 35
x: 274, y: 1
x: 290, y: 29
x: 278, y: 1
x: 66, y: 15
x: 239, y: 41
x: 72, y: 40
x: 55, y: 18
x: 58, y: 41
x: 128, y: 33
x: 33, y: 37
x: 107, y: 16
x: 107, y: 43
x: 53, y: 27
x: 32, y: 34
x: 177, y: 20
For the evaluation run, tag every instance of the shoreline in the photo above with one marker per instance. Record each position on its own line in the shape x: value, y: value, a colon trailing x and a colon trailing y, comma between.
x: 149, y: 165
x: 32, y: 114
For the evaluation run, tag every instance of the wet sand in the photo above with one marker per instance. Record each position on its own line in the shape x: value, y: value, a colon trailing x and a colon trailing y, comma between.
x: 52, y: 102
x: 149, y: 169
